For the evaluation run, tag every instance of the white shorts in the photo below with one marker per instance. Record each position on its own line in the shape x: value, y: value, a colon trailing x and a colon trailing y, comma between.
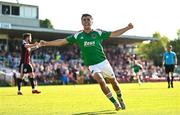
x: 104, y: 68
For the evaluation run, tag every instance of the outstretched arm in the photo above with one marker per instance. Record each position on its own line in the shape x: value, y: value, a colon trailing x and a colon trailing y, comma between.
x: 121, y: 31
x: 58, y: 42
x: 31, y: 45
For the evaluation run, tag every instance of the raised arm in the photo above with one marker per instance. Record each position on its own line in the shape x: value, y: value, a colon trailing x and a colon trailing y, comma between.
x: 31, y: 45
x: 121, y: 31
x: 58, y: 42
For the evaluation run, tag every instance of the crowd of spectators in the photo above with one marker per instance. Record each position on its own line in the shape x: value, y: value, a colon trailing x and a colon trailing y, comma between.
x: 63, y: 65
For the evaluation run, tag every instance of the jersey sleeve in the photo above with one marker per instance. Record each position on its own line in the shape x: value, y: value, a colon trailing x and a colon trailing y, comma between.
x: 105, y: 35
x: 71, y: 39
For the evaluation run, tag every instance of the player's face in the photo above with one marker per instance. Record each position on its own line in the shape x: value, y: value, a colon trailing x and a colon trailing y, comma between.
x: 29, y: 39
x: 169, y: 48
x: 87, y: 22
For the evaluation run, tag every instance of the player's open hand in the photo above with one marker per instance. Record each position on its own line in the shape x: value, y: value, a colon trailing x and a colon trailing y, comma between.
x: 130, y: 26
x: 43, y: 43
x: 37, y: 44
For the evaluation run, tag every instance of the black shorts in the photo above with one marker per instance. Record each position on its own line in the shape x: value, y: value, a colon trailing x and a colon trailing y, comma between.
x: 169, y: 68
x: 25, y: 68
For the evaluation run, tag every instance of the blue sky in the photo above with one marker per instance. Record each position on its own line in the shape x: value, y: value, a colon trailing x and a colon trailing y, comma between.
x: 148, y: 16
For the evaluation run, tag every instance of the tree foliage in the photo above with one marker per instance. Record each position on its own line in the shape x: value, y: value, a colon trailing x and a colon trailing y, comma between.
x: 178, y: 34
x: 154, y: 50
x: 176, y: 45
x: 46, y: 23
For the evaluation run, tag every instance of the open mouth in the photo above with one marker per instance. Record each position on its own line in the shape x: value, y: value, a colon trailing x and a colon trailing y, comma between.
x: 87, y: 24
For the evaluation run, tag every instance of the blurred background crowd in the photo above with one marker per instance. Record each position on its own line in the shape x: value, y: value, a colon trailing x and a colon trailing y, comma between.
x: 63, y: 65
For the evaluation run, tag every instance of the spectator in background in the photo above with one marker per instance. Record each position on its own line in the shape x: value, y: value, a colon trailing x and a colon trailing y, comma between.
x: 65, y: 79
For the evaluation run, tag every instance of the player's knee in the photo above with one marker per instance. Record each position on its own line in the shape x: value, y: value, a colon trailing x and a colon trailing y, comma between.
x: 115, y: 84
x: 99, y: 78
x: 102, y: 82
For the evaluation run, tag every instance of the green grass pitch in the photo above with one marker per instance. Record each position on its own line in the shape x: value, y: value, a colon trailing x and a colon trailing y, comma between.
x: 147, y: 99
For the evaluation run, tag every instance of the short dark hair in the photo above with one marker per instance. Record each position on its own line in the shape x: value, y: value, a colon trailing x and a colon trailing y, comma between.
x: 84, y: 15
x: 25, y: 35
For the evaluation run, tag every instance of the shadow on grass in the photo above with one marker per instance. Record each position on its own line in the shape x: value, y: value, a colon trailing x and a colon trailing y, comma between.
x: 104, y: 112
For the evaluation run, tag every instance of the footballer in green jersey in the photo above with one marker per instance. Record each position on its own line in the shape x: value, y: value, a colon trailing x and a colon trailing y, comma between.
x: 137, y: 70
x: 90, y: 45
x: 89, y: 42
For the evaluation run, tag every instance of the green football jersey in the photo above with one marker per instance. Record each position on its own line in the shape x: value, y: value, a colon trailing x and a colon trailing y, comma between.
x: 136, y: 68
x: 90, y: 45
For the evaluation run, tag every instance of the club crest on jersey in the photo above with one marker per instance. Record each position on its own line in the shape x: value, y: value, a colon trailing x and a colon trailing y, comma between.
x: 93, y: 36
x: 25, y: 70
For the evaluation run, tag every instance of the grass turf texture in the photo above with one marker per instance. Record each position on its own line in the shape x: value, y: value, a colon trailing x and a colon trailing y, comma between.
x: 147, y: 99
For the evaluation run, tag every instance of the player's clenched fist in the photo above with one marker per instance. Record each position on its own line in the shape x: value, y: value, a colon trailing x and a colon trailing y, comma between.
x: 130, y: 26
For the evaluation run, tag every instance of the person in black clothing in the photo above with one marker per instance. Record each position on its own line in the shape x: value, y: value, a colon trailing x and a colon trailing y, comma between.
x: 25, y: 66
x: 15, y: 78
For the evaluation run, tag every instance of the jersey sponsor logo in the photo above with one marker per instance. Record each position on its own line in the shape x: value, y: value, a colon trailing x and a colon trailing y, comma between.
x: 87, y: 44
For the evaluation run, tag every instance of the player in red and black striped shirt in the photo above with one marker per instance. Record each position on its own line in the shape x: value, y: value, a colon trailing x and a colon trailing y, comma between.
x: 25, y: 66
